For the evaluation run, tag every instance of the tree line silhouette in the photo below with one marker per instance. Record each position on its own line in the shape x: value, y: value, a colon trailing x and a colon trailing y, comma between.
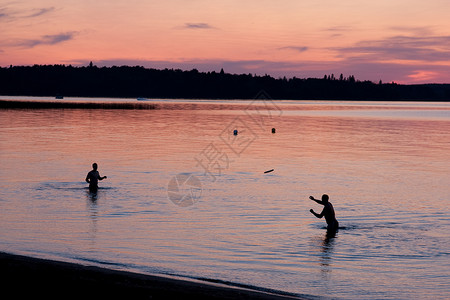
x: 137, y: 81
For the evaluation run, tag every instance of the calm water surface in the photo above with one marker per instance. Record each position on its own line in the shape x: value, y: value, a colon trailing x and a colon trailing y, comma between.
x: 386, y: 167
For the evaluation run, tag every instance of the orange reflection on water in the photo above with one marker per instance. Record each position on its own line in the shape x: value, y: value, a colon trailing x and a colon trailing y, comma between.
x: 387, y: 177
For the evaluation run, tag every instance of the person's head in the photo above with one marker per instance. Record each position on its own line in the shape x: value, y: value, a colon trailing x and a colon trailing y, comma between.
x: 325, y: 198
x: 94, y: 166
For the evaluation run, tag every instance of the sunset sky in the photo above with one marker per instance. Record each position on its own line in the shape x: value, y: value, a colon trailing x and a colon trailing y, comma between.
x: 407, y: 41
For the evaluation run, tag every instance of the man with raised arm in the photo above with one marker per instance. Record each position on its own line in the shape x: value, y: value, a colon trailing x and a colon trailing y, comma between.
x: 327, y: 212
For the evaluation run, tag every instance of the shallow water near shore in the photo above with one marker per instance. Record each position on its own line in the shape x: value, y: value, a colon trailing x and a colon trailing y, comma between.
x: 385, y: 166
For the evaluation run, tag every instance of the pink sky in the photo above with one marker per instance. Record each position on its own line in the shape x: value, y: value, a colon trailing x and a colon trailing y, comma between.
x: 407, y: 41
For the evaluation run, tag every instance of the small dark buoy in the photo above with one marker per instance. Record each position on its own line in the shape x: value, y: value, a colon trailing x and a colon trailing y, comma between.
x: 273, y: 130
x: 268, y: 171
x: 235, y: 132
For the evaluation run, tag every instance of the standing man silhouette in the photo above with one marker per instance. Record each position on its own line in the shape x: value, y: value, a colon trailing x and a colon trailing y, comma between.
x: 327, y: 212
x: 93, y: 177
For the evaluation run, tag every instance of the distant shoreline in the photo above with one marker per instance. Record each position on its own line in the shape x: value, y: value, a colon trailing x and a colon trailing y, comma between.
x: 152, y: 104
x: 139, y: 82
x: 26, y: 277
x: 17, y: 104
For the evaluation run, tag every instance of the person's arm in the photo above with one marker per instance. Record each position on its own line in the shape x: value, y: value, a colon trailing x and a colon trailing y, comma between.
x: 313, y: 199
x: 88, y: 180
x: 100, y: 177
x: 316, y: 214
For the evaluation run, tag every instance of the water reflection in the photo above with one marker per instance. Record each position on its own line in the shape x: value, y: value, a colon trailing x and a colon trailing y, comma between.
x: 92, y: 209
x: 365, y: 161
x: 92, y: 196
x: 324, y: 245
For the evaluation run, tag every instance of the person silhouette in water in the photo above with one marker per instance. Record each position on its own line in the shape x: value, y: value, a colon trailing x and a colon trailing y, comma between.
x: 327, y: 212
x: 93, y: 177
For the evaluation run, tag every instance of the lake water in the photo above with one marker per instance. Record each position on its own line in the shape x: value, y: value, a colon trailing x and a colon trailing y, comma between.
x: 186, y: 197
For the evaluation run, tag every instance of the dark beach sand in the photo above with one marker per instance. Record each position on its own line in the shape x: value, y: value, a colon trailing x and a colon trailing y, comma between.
x: 26, y: 277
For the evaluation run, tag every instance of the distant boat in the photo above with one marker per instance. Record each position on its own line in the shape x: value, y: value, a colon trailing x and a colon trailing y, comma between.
x: 59, y: 97
x: 142, y: 99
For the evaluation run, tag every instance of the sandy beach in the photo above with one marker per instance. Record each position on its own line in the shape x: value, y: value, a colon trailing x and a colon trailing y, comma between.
x: 40, y: 278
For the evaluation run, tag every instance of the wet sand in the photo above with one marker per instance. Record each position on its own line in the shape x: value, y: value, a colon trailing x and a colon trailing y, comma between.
x: 39, y: 278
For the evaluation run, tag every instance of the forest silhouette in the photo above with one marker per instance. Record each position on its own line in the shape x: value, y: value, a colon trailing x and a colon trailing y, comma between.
x: 137, y: 81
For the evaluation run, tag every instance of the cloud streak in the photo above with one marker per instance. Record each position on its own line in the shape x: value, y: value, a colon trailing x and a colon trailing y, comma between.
x: 295, y: 48
x: 8, y: 15
x: 338, y: 28
x: 40, y: 12
x: 47, y: 40
x: 5, y: 14
x: 415, y: 30
x: 403, y: 48
x: 197, y: 26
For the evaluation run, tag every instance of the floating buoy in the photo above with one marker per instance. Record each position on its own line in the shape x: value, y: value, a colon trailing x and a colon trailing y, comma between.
x: 235, y: 132
x: 273, y: 130
x: 268, y: 171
